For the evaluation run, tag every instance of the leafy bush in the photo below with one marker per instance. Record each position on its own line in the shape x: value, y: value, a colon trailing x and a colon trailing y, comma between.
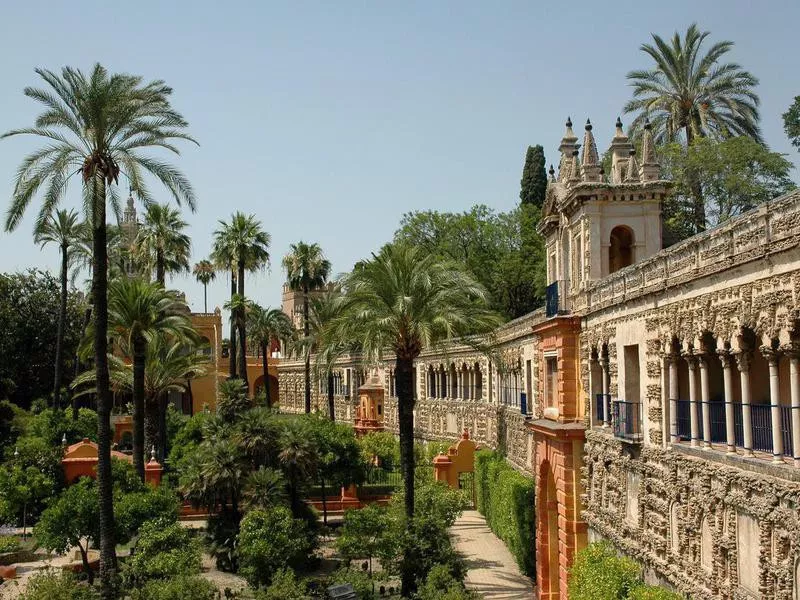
x: 599, y: 574
x: 53, y: 424
x: 50, y: 585
x: 132, y: 510
x: 441, y: 585
x: 506, y: 498
x: 9, y: 544
x: 177, y: 588
x: 383, y: 445
x: 284, y: 586
x: 270, y: 540
x: 13, y: 422
x: 362, y: 532
x: 222, y: 538
x: 648, y: 592
x: 164, y: 551
x: 360, y: 580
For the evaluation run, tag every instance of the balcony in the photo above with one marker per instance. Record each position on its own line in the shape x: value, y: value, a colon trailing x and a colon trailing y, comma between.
x: 627, y: 420
x: 556, y: 299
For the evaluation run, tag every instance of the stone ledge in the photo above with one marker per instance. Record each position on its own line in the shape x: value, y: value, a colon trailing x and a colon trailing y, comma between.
x: 754, y: 465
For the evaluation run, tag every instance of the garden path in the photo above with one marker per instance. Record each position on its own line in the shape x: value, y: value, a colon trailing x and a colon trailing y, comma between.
x: 492, y: 570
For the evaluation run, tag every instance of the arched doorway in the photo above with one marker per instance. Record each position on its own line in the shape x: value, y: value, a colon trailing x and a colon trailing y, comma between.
x: 620, y: 251
x: 547, y: 533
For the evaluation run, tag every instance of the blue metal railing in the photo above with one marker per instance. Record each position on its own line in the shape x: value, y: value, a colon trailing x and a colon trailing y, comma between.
x: 551, y: 300
x: 627, y: 420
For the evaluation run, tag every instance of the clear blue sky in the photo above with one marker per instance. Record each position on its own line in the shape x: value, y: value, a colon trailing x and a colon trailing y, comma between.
x: 329, y: 120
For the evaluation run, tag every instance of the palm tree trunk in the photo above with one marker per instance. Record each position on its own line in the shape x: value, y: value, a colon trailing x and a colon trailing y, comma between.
x: 205, y: 298
x: 62, y: 317
x: 139, y: 350
x: 242, y: 324
x: 151, y: 424
x: 161, y: 271
x: 331, y: 407
x: 698, y: 216
x: 308, y: 351
x: 232, y: 351
x: 405, y: 407
x: 324, y: 500
x: 108, y: 557
x: 161, y: 449
x: 265, y: 362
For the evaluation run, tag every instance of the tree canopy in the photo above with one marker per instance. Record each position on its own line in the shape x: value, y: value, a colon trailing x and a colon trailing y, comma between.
x: 791, y: 123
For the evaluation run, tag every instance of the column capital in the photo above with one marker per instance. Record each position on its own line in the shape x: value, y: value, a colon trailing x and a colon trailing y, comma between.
x: 690, y: 358
x: 725, y: 357
x: 791, y: 350
x: 743, y: 359
x: 772, y: 356
x: 671, y: 357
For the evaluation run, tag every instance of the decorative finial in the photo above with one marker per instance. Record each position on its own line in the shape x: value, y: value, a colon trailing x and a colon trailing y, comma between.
x: 16, y: 452
x: 588, y: 126
x: 552, y: 171
x: 619, y: 123
x: 153, y: 453
x: 64, y: 439
x: 569, y: 122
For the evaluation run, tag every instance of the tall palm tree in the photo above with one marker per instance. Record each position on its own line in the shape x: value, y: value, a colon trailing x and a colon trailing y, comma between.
x: 205, y: 272
x: 690, y: 93
x: 307, y: 270
x: 245, y: 244
x: 65, y: 229
x: 98, y: 125
x: 137, y: 311
x: 224, y: 260
x: 161, y: 244
x: 267, y: 325
x: 404, y: 301
x: 298, y: 460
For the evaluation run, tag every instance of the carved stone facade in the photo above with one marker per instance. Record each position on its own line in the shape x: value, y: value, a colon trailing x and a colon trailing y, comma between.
x: 656, y: 401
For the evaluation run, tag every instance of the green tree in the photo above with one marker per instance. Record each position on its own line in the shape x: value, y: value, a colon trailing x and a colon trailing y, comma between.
x: 404, y: 301
x: 362, y: 533
x: 265, y: 488
x: 205, y: 272
x: 690, y: 93
x: 381, y: 445
x: 137, y: 312
x: 733, y: 176
x: 233, y: 401
x: 268, y: 325
x: 326, y: 349
x: 534, y: 178
x: 284, y: 586
x: 791, y: 123
x: 307, y: 270
x: 271, y: 540
x: 244, y: 244
x: 30, y: 325
x: 258, y: 435
x: 99, y: 125
x: 299, y: 461
x: 64, y: 229
x: 164, y: 550
x: 161, y: 244
x: 23, y: 493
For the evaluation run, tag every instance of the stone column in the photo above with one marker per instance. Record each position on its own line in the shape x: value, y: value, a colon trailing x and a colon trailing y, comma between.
x: 606, y: 382
x: 743, y: 362
x: 694, y: 421
x: 727, y: 378
x: 705, y: 399
x: 773, y: 359
x: 794, y: 391
x: 672, y: 360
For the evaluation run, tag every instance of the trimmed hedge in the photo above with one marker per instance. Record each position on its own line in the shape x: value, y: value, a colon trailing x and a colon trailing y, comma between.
x: 506, y: 498
x: 599, y: 573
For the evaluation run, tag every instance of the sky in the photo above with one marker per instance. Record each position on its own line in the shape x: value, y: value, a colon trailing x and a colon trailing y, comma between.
x: 330, y: 120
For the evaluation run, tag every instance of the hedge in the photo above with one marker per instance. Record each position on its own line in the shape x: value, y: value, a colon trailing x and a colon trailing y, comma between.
x: 599, y: 573
x: 506, y: 499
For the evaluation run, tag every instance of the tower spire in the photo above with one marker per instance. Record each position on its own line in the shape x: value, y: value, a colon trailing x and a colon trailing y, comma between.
x: 590, y: 160
x: 620, y: 153
x: 567, y: 147
x: 632, y: 174
x: 650, y: 168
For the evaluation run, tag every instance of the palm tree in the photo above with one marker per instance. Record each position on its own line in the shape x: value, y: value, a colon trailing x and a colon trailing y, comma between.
x: 161, y: 244
x: 65, y: 229
x: 265, y: 327
x: 307, y: 269
x: 98, y: 126
x: 137, y: 311
x: 258, y: 435
x: 298, y: 459
x: 205, y: 272
x: 265, y: 488
x: 247, y: 244
x: 224, y: 260
x: 405, y: 301
x: 689, y: 92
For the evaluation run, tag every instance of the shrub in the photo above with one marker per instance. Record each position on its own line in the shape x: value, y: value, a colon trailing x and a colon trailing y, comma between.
x: 506, y: 498
x: 441, y: 585
x: 164, y: 551
x: 9, y: 544
x: 222, y: 538
x: 360, y: 580
x: 270, y: 540
x: 648, y: 592
x: 50, y: 585
x: 284, y: 586
x: 383, y: 445
x: 132, y: 510
x: 178, y: 588
x: 599, y: 574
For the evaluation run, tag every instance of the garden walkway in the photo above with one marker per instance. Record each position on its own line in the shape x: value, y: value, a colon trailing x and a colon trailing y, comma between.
x: 493, y: 572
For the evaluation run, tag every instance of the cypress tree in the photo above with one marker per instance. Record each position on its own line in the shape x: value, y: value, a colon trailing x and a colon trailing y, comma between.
x: 534, y: 178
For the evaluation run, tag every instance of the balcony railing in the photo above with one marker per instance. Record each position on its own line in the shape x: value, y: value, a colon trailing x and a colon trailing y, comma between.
x: 627, y: 420
x: 760, y: 417
x: 556, y: 299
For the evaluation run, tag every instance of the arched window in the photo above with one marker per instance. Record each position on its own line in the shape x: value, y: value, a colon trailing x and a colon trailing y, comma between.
x: 620, y: 252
